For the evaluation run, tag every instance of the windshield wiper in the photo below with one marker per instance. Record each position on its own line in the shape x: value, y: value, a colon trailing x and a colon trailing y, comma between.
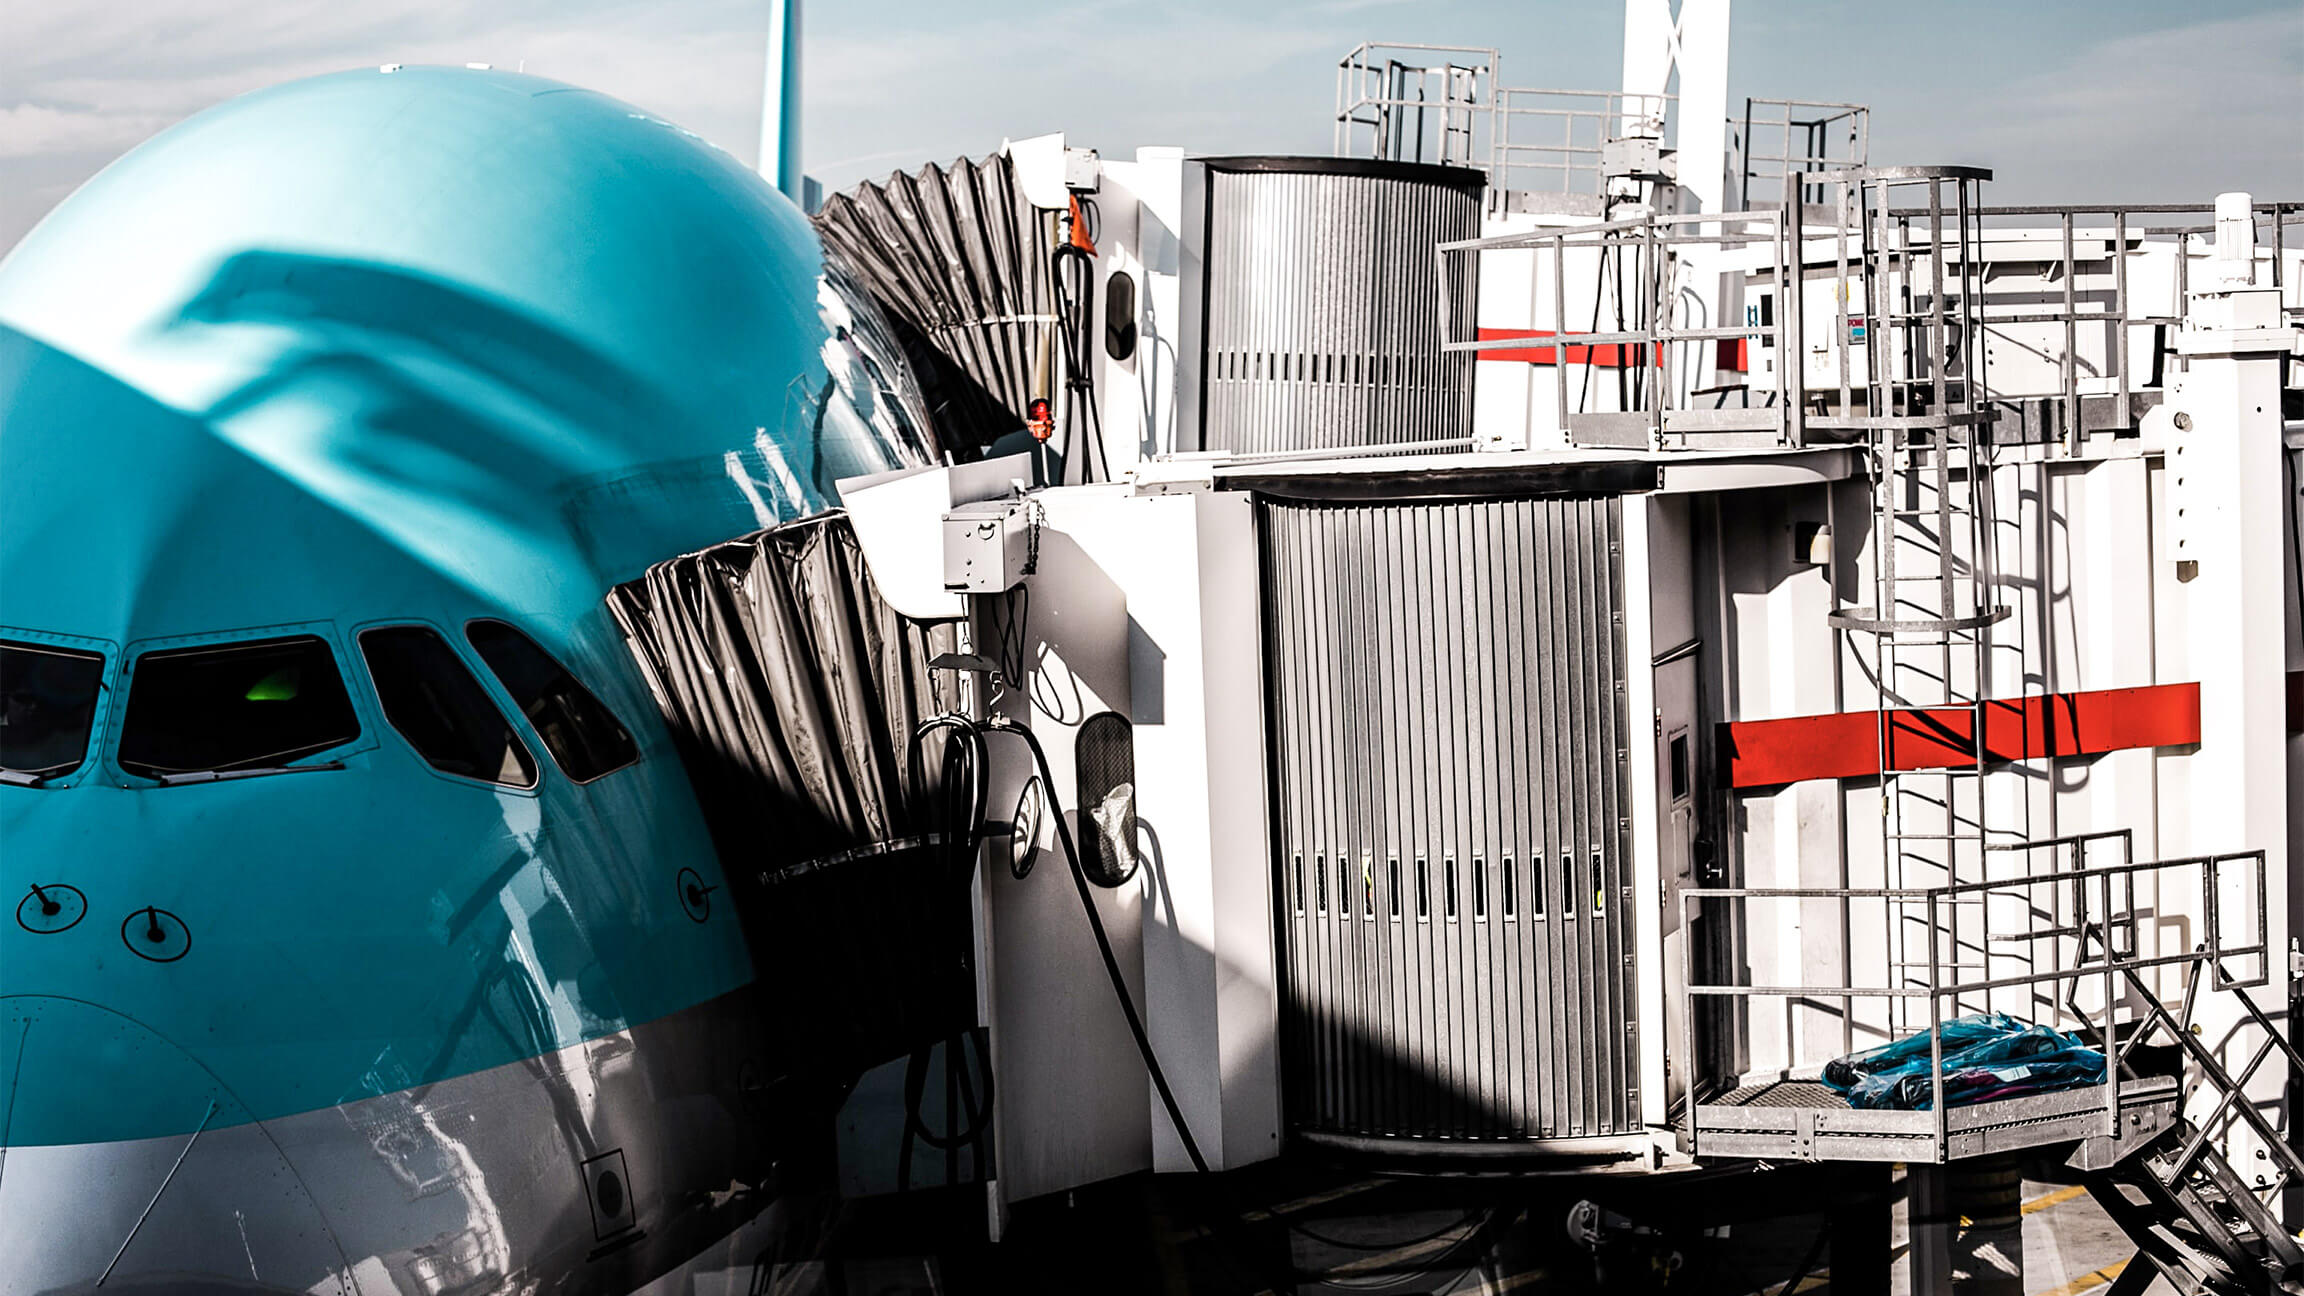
x: 34, y: 778
x: 219, y: 776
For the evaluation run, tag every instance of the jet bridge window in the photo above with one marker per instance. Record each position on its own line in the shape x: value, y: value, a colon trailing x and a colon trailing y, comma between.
x: 439, y: 707
x: 47, y: 702
x: 237, y: 706
x: 585, y: 738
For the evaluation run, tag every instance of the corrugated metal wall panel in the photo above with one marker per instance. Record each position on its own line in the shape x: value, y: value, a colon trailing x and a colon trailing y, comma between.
x: 1321, y: 331
x: 1452, y: 868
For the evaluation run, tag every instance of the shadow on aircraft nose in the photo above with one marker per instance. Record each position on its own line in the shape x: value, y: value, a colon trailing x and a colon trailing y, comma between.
x: 125, y: 1162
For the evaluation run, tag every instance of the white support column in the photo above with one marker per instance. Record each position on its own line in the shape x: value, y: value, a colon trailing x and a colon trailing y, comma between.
x: 1695, y: 46
x: 2225, y: 505
x: 1647, y: 868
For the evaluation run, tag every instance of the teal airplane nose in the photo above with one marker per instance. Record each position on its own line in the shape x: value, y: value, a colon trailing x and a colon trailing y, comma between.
x: 203, y: 1189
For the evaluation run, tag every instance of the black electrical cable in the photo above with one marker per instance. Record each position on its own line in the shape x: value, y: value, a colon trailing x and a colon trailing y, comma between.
x: 1616, y: 290
x: 1104, y: 947
x: 1011, y: 617
x: 1285, y: 1283
x: 967, y: 1121
x: 1591, y: 354
x: 1075, y: 275
x: 1143, y: 1040
x: 972, y: 740
x: 1482, y: 1214
x: 1807, y: 1263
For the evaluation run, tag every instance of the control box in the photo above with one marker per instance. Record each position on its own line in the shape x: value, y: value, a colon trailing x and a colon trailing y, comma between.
x: 986, y: 547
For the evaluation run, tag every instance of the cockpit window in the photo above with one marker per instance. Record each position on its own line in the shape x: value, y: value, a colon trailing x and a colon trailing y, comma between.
x: 585, y: 738
x: 437, y: 705
x: 237, y: 706
x: 47, y: 702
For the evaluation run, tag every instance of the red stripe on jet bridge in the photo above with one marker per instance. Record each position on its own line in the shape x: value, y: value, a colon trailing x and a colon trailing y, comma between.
x: 1607, y: 355
x: 1848, y: 744
x: 1731, y: 353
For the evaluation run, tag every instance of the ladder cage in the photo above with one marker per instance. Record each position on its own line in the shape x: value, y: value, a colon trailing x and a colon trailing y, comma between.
x: 1416, y: 103
x: 1777, y: 138
x: 1406, y: 102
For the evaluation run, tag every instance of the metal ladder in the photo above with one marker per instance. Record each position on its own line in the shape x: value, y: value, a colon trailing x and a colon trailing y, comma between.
x: 1912, y: 303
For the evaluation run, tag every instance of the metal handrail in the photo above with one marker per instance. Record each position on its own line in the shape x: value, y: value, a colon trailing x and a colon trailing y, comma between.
x: 1941, y: 905
x: 1367, y: 95
x: 1782, y: 248
x: 1817, y: 153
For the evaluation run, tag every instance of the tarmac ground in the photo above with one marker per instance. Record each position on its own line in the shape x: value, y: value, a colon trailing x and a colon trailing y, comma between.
x: 1328, y: 1229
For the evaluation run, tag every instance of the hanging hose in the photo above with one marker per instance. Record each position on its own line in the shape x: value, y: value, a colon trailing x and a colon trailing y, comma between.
x: 1074, y: 267
x: 1224, y: 1227
x: 1001, y: 725
x: 967, y: 1120
x: 973, y: 744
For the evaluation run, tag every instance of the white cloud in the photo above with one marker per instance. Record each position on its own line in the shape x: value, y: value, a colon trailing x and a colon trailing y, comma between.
x: 2163, y: 116
x: 37, y: 130
x: 80, y: 84
x: 2158, y: 116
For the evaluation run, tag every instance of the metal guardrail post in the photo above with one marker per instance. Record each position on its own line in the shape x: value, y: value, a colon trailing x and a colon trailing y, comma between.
x: 2111, y: 1073
x: 2073, y: 438
x: 1795, y: 359
x: 1652, y: 367
x: 1560, y: 330
x: 2120, y: 309
x: 1940, y: 1125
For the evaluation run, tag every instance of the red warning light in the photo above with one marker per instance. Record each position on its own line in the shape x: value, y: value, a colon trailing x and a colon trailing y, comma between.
x: 1039, y: 418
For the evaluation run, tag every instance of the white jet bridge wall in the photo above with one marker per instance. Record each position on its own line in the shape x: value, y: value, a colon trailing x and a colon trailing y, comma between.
x: 2097, y: 602
x: 1145, y: 605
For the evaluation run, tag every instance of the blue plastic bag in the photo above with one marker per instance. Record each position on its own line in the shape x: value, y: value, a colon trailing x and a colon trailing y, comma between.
x: 1987, y: 1056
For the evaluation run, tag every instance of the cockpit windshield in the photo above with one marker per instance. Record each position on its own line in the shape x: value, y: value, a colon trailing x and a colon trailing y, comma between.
x: 47, y: 703
x: 235, y: 706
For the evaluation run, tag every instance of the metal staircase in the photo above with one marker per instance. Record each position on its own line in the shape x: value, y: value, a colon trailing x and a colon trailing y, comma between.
x: 1868, y: 311
x: 2192, y: 1215
x: 1962, y: 934
x: 2195, y: 1222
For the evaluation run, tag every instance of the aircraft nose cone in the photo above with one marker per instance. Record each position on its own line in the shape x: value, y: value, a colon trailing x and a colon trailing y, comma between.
x: 125, y: 1162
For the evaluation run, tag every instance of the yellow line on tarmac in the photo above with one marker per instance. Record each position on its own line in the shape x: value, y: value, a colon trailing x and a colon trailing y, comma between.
x: 1316, y: 1199
x: 2056, y: 1198
x: 2090, y: 1281
x: 1401, y: 1255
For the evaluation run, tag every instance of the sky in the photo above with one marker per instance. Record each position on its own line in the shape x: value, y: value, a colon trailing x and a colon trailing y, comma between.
x: 2068, y: 100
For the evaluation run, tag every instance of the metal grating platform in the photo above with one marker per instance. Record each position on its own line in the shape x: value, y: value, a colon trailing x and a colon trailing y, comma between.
x: 1783, y: 1093
x: 1803, y: 1120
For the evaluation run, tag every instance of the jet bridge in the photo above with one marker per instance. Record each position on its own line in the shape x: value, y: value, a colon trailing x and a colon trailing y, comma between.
x: 1575, y: 786
x: 1531, y: 665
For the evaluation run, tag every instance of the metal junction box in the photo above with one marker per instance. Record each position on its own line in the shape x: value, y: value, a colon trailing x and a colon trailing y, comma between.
x: 985, y: 546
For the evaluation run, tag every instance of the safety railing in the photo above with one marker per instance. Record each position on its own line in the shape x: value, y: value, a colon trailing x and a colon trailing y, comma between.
x: 1780, y: 137
x: 1830, y: 320
x: 2058, y: 929
x: 2069, y: 292
x: 1416, y: 103
x: 1638, y: 372
x: 1448, y: 104
x: 1556, y: 141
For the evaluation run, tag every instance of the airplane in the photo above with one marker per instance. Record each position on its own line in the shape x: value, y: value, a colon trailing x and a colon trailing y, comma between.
x: 367, y: 936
